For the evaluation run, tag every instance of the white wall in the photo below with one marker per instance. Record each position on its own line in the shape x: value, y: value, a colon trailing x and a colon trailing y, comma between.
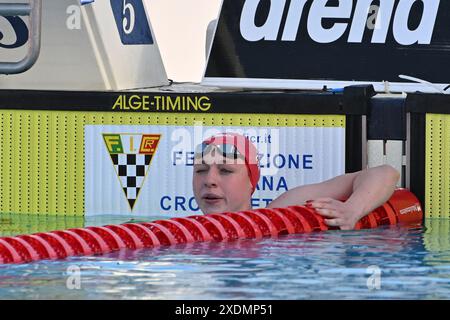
x: 180, y: 30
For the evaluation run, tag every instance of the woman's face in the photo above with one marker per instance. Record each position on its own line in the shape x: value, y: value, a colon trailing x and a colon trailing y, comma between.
x: 221, y: 184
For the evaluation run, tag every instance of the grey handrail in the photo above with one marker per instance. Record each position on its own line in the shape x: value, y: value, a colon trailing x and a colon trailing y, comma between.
x: 34, y: 10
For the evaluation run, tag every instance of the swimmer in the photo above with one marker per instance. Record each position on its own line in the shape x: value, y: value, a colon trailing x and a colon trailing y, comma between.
x: 226, y: 173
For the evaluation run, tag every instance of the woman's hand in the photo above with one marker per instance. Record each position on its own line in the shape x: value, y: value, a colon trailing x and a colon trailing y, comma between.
x: 337, y: 213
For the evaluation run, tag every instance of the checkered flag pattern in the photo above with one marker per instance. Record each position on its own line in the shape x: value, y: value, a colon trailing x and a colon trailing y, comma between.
x: 131, y: 170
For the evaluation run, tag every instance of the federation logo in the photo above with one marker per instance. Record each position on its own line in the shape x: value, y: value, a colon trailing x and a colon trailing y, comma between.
x: 131, y: 155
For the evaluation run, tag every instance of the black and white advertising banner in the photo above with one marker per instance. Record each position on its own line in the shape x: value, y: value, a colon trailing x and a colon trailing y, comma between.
x: 396, y: 45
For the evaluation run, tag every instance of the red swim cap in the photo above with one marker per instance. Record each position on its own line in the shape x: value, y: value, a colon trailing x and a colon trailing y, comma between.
x: 244, y: 147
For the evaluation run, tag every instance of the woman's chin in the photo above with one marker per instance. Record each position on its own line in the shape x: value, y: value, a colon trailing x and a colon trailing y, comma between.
x: 214, y: 208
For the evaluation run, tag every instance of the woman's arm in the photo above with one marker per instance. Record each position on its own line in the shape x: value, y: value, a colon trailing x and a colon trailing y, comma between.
x: 364, y: 190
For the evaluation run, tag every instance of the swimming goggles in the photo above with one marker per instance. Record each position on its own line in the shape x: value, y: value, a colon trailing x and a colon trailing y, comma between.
x: 226, y: 150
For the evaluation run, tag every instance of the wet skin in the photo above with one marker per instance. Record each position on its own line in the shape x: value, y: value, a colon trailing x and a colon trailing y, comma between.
x: 221, y: 184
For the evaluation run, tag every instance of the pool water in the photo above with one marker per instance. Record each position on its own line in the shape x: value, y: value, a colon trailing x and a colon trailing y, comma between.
x: 385, y: 263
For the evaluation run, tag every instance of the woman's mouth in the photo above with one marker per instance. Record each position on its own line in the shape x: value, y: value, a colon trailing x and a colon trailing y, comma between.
x: 211, y: 198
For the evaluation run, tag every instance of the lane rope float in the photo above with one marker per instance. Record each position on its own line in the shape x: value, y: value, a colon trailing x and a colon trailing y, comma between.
x: 402, y: 208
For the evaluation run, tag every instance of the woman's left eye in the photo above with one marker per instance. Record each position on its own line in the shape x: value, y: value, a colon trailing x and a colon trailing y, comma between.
x: 223, y: 170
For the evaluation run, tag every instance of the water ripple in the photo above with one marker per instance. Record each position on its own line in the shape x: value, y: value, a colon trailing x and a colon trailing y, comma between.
x: 412, y: 264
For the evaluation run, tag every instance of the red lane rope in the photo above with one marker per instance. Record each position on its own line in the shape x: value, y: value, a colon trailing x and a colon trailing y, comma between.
x: 33, y: 255
x: 165, y: 237
x: 250, y: 228
x: 11, y: 253
x: 96, y: 242
x: 181, y: 234
x: 288, y: 228
x: 304, y: 225
x: 267, y: 227
x: 215, y: 229
x: 232, y: 228
x: 402, y: 207
x: 144, y: 234
x: 45, y: 250
x: 130, y: 239
x: 77, y: 243
x: 197, y: 230
x: 110, y: 237
x: 62, y: 248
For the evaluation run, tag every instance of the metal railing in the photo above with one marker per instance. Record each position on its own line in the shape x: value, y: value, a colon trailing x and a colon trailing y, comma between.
x: 34, y: 11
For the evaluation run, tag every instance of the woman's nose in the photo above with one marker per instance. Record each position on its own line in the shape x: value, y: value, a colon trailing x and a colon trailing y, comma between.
x: 211, y: 177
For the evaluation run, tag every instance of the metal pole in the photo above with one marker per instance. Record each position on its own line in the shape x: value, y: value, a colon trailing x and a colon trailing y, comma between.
x: 15, y: 9
x: 34, y: 10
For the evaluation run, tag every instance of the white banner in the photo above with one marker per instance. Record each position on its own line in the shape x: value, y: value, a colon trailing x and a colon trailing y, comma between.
x: 146, y: 170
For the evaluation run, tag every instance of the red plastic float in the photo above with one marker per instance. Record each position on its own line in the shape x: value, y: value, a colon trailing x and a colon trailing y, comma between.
x: 403, y: 207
